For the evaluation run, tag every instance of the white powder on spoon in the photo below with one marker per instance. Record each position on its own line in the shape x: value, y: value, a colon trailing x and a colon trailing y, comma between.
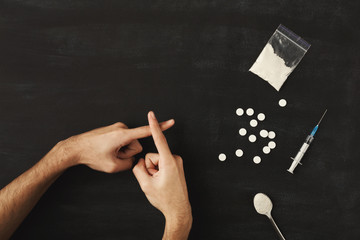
x: 262, y: 203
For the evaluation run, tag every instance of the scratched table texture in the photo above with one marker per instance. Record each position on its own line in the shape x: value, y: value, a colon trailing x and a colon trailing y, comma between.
x: 67, y: 67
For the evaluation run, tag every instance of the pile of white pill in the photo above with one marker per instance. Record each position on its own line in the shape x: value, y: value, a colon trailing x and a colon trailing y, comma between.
x: 263, y: 133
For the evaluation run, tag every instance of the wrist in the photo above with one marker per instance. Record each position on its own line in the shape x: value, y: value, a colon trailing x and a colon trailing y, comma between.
x: 183, y: 223
x: 178, y: 224
x: 62, y: 155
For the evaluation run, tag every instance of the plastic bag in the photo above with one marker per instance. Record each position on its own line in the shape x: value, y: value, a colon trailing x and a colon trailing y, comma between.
x: 280, y: 56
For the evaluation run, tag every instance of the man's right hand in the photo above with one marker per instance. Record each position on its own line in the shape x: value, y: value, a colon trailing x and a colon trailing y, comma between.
x: 161, y: 177
x: 108, y: 149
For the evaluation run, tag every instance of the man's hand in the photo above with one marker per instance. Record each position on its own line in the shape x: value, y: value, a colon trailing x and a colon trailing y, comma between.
x: 108, y: 149
x: 161, y: 177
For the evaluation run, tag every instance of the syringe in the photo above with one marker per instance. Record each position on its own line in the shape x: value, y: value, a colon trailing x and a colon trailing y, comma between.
x: 304, y: 147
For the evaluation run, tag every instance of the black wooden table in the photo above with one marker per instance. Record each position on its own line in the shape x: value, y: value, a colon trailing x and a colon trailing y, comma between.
x: 70, y: 66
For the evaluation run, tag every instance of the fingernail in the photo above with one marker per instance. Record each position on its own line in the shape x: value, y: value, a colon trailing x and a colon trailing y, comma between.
x: 152, y: 115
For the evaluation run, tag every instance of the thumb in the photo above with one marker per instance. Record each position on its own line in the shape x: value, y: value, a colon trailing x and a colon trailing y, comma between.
x: 141, y: 173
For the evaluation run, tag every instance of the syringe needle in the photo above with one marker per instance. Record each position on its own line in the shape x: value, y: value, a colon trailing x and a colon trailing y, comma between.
x: 322, y: 117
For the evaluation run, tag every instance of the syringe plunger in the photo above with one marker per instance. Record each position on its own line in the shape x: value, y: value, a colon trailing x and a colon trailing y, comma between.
x: 300, y: 154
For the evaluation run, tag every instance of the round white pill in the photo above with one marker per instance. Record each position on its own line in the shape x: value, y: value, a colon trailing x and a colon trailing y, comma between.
x: 222, y: 157
x: 261, y: 117
x: 264, y: 133
x: 252, y: 138
x: 253, y: 123
x: 257, y: 159
x: 239, y: 111
x: 272, y: 135
x: 250, y: 111
x: 272, y: 144
x: 239, y: 153
x: 242, y: 131
x: 282, y: 102
x: 266, y: 150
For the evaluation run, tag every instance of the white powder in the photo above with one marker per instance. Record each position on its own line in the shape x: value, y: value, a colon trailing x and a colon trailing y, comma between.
x: 262, y: 203
x: 271, y: 67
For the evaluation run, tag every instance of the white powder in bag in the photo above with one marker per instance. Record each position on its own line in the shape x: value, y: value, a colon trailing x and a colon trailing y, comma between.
x: 271, y: 67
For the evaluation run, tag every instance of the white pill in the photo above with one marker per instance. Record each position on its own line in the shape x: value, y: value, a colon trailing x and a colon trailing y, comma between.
x: 261, y: 117
x: 252, y: 138
x: 239, y: 153
x: 250, y: 111
x: 266, y: 149
x: 264, y: 133
x: 222, y: 157
x: 239, y: 111
x: 253, y: 123
x: 242, y: 131
x: 272, y: 144
x: 282, y: 102
x: 272, y: 135
x: 257, y: 159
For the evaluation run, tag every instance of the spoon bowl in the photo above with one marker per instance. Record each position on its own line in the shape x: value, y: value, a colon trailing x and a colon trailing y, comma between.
x: 263, y: 205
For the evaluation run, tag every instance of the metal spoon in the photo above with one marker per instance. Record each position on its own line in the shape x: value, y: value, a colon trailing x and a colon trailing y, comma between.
x: 263, y: 205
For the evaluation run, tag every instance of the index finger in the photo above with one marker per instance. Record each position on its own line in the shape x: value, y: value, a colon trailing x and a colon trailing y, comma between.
x: 144, y: 131
x: 159, y: 138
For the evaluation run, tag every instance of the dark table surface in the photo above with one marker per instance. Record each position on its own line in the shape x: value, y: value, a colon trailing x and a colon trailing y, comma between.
x: 70, y: 66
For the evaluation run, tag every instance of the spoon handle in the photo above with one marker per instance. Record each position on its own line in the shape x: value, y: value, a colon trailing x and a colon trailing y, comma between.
x: 276, y: 228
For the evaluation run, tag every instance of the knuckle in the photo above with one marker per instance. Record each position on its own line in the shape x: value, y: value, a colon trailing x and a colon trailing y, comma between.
x: 120, y: 125
x: 121, y: 132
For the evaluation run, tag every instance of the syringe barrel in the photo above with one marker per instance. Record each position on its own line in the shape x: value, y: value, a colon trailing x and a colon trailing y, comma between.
x: 302, y: 151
